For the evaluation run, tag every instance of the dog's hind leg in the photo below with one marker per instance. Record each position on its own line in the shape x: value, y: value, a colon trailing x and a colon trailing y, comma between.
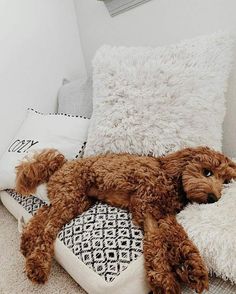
x: 63, y: 210
x: 33, y: 229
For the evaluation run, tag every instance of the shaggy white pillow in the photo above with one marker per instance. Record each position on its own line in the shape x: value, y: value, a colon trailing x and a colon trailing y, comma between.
x: 158, y: 100
x: 66, y: 133
x: 212, y: 228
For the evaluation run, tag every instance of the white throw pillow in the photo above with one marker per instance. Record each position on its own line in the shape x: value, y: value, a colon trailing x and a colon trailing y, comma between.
x: 64, y: 132
x: 212, y: 227
x: 158, y: 100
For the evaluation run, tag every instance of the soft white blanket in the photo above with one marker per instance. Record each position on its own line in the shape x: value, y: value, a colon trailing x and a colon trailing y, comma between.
x: 212, y: 227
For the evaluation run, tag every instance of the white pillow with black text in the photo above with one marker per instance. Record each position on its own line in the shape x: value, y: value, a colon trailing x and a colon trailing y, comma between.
x: 66, y: 133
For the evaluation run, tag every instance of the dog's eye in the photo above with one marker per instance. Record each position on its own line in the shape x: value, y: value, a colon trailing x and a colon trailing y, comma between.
x: 207, y: 173
x: 226, y: 182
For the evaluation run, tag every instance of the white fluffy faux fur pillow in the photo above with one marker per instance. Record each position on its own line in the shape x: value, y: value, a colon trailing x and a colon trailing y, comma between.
x: 212, y: 227
x: 157, y: 100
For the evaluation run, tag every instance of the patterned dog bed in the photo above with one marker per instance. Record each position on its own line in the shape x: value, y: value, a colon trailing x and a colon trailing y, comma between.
x: 103, y: 240
x: 101, y: 249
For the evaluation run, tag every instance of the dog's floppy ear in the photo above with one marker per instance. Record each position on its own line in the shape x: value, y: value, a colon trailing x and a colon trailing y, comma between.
x: 201, y: 153
x: 189, y: 153
x: 176, y: 162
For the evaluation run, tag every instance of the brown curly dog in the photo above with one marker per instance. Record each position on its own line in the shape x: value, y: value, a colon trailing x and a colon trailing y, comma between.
x: 152, y: 189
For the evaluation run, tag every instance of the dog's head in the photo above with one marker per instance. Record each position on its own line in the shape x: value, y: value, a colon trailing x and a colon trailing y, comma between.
x: 205, y: 175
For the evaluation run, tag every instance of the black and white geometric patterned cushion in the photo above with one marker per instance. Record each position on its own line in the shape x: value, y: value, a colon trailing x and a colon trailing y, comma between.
x: 103, y: 238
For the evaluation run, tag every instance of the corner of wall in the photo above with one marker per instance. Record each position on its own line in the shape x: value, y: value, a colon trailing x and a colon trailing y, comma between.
x: 79, y: 35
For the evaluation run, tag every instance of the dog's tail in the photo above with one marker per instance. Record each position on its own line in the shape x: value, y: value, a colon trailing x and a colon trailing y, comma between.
x: 37, y: 170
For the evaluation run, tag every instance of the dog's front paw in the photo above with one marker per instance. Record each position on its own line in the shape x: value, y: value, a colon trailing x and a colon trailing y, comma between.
x: 38, y: 266
x: 192, y: 269
x: 194, y: 274
x: 164, y: 283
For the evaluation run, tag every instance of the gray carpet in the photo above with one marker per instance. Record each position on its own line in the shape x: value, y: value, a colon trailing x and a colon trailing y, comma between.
x: 13, y: 280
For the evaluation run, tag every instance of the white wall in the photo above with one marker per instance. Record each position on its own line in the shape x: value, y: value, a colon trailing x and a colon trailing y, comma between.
x: 39, y: 45
x: 160, y: 22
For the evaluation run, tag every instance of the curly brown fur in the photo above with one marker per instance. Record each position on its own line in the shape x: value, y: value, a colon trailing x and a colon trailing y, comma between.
x: 32, y: 173
x: 153, y: 189
x: 170, y: 257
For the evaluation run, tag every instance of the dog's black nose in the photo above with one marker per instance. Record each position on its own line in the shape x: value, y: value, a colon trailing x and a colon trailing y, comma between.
x: 211, y: 198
